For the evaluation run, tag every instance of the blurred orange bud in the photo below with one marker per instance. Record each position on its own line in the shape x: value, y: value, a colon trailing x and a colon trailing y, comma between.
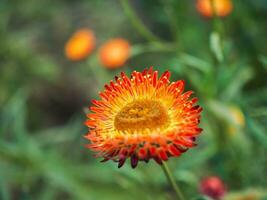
x: 114, y: 53
x: 221, y: 7
x: 237, y: 119
x: 80, y: 44
x: 237, y: 116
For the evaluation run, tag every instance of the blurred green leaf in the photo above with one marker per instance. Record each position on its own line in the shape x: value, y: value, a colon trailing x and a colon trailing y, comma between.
x: 258, y: 131
x: 194, y: 62
x: 202, y: 198
x: 233, y: 86
x: 216, y: 46
x: 13, y: 115
x: 263, y: 60
x: 4, y: 193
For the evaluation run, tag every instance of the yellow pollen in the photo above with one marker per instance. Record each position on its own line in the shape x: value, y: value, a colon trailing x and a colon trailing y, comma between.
x: 140, y: 115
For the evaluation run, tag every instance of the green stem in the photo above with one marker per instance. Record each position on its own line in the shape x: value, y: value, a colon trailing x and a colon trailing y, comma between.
x: 172, y: 181
x: 99, y: 73
x: 137, y: 23
x: 185, y: 58
x: 215, y: 18
x: 217, y: 27
x: 140, y: 49
x: 169, y: 7
x: 259, y: 112
x: 217, y: 22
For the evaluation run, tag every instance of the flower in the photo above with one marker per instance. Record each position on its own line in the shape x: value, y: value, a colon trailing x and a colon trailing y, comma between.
x: 213, y: 187
x: 237, y: 119
x: 114, y: 53
x: 143, y: 117
x: 237, y: 115
x: 222, y: 7
x: 80, y: 45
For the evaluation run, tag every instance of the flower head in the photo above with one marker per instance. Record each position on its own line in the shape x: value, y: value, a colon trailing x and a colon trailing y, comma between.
x: 221, y: 7
x: 213, y: 187
x: 114, y: 53
x: 80, y: 45
x: 143, y: 117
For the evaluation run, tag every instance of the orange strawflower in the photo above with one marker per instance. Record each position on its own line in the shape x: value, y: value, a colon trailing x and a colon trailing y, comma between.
x: 80, y: 45
x: 221, y: 7
x: 143, y: 117
x: 114, y: 53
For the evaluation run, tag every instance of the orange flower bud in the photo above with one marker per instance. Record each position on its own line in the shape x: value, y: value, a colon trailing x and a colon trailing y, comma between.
x: 222, y: 7
x: 114, y: 53
x: 80, y: 45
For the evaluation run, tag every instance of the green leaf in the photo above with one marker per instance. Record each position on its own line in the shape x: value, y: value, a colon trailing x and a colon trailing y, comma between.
x: 258, y: 131
x: 13, y: 116
x: 202, y: 198
x: 263, y: 60
x: 216, y: 46
x: 234, y: 85
x: 194, y: 62
x: 4, y: 193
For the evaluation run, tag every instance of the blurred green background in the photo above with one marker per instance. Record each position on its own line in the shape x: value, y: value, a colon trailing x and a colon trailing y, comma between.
x: 44, y: 96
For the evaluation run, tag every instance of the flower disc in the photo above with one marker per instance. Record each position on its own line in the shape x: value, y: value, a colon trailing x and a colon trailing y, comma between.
x: 143, y: 117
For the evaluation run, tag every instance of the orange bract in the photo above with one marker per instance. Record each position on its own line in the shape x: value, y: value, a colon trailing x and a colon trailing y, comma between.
x: 80, y: 45
x: 114, y: 53
x: 143, y: 117
x: 222, y: 7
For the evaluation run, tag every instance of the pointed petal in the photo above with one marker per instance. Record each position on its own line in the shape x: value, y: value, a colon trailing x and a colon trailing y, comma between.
x: 134, y: 161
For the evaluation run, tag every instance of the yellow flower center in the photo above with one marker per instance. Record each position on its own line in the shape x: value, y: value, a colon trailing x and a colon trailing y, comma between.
x: 140, y: 115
